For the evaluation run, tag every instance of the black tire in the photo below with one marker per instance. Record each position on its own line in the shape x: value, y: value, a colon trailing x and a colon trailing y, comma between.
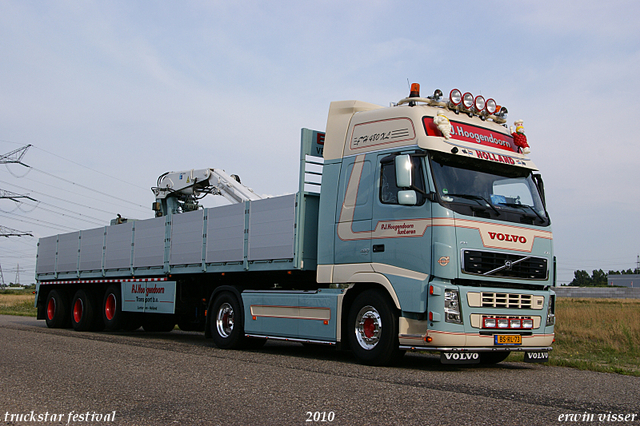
x: 112, y: 314
x: 226, y: 323
x: 158, y: 323
x: 85, y: 313
x: 57, y: 309
x: 493, y: 357
x: 373, y: 329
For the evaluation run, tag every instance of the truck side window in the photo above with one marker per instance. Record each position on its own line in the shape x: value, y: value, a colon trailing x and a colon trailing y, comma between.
x: 388, y: 188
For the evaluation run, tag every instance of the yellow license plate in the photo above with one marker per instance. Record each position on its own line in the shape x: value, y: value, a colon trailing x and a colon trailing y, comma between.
x: 508, y: 339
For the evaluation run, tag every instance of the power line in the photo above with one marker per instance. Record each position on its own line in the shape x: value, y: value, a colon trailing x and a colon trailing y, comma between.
x: 51, y: 225
x: 88, y: 197
x: 86, y: 187
x: 89, y: 168
x: 60, y: 199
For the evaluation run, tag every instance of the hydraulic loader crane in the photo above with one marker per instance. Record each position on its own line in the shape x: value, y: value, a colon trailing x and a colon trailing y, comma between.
x: 179, y: 192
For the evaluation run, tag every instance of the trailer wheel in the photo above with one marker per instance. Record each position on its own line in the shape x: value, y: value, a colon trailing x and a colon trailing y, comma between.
x: 226, y: 326
x: 493, y: 357
x: 57, y: 313
x: 373, y: 329
x: 112, y: 314
x: 84, y: 312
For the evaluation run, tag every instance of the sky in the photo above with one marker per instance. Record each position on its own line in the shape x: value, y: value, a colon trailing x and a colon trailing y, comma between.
x: 112, y: 94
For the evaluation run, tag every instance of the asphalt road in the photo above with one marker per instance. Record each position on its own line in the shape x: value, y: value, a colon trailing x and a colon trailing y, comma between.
x: 178, y: 378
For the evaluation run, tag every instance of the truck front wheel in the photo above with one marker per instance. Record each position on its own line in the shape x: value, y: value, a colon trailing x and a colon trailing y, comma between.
x: 57, y: 314
x: 373, y: 329
x: 226, y: 323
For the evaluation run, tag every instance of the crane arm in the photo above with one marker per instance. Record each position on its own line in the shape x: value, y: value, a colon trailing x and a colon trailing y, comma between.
x: 180, y: 191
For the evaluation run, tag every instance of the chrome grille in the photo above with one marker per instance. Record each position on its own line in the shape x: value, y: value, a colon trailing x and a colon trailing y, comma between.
x: 495, y: 264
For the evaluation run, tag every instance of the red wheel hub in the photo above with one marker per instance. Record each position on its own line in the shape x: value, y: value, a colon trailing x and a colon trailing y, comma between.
x: 51, y: 309
x: 369, y: 327
x: 110, y: 307
x: 77, y: 311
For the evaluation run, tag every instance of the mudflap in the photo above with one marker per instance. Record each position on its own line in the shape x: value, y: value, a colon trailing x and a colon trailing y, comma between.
x: 459, y: 357
x: 537, y: 356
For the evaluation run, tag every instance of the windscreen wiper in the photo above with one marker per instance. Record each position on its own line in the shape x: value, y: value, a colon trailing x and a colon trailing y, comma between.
x: 476, y: 198
x: 525, y: 206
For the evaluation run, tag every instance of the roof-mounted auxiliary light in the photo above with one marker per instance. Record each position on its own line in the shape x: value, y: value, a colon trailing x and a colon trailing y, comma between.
x: 479, y: 106
x: 457, y: 102
x: 490, y: 106
x: 415, y: 90
x: 500, y: 115
x: 455, y: 97
x: 467, y: 102
x: 479, y: 103
x: 437, y: 95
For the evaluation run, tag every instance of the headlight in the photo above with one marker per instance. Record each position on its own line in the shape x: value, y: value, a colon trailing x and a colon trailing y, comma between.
x: 551, y: 312
x: 452, y: 307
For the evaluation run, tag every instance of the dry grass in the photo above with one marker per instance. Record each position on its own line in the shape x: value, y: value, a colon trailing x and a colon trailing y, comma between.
x: 598, y: 334
x: 17, y: 303
x: 12, y: 299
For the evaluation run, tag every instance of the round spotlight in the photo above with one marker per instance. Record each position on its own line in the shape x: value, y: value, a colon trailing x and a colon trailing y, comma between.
x: 455, y: 97
x: 467, y: 100
x: 491, y: 106
x: 479, y: 103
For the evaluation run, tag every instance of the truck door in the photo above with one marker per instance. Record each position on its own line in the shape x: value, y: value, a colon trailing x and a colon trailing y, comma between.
x: 353, y: 215
x: 402, y: 233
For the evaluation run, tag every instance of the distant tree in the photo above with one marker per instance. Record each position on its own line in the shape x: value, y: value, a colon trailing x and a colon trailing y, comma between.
x: 599, y: 277
x: 581, y: 279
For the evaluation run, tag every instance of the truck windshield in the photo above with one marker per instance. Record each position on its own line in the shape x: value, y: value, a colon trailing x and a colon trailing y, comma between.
x: 479, y: 188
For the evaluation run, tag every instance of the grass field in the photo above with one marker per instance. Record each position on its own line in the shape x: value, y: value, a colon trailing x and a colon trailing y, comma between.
x: 598, y: 334
x: 591, y: 334
x: 17, y: 302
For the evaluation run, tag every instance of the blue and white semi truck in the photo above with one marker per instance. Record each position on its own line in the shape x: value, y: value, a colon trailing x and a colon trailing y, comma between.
x: 419, y: 226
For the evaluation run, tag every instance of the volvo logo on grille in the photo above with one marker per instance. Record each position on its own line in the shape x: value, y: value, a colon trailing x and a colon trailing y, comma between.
x: 511, y: 238
x: 507, y: 265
